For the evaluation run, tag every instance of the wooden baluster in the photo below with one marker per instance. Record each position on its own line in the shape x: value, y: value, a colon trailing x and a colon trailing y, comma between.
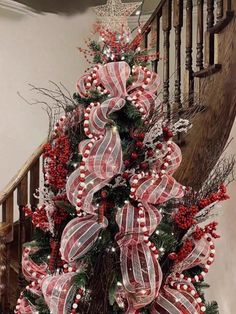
x: 210, y: 13
x: 7, y: 217
x: 156, y: 31
x: 166, y: 27
x: 227, y: 6
x: 5, y: 229
x: 199, y: 56
x: 178, y: 24
x: 219, y: 10
x: 34, y: 185
x: 22, y: 201
x: 209, y: 50
x: 189, y: 60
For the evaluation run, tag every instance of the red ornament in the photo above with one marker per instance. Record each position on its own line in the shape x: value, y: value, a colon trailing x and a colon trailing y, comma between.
x: 139, y: 144
x: 126, y: 163
x: 159, y: 146
x: 144, y: 165
x: 150, y: 153
x: 141, y: 136
x: 125, y: 175
x: 134, y: 155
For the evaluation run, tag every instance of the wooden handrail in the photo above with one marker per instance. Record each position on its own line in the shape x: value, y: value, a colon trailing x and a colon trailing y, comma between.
x: 29, y: 173
x: 5, y: 228
x: 21, y: 174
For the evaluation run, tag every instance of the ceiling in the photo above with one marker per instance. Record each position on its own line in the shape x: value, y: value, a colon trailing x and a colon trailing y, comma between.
x: 71, y: 7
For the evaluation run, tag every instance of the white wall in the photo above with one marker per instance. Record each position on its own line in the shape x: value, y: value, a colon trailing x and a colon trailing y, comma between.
x: 222, y: 275
x: 33, y: 49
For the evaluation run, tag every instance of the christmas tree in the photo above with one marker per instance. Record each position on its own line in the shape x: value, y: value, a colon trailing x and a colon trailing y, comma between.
x: 116, y: 233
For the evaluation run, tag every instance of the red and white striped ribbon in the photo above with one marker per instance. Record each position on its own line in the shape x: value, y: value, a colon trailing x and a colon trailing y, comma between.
x: 79, y: 235
x: 106, y: 159
x: 179, y: 295
x: 198, y: 256
x: 172, y: 158
x: 127, y: 219
x: 157, y: 191
x: 59, y: 292
x: 113, y: 76
x: 173, y: 301
x: 25, y: 307
x: 30, y: 269
x: 151, y: 85
x: 140, y: 269
x: 99, y: 114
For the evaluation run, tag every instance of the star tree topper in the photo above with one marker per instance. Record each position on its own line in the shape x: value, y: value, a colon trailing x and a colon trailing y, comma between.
x: 114, y: 14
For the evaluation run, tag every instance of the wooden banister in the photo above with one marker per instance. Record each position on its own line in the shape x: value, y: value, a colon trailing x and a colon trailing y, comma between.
x: 21, y: 174
x: 189, y: 33
x: 24, y: 184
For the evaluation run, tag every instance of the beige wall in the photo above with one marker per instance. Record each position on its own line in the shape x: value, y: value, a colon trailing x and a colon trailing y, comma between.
x: 33, y: 49
x: 222, y: 275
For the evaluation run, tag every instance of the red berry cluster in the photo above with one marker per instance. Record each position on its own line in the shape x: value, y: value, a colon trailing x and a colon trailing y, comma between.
x: 209, y: 229
x: 57, y: 156
x: 185, y: 250
x: 167, y: 133
x: 39, y: 217
x: 198, y: 233
x: 184, y: 217
x: 217, y: 196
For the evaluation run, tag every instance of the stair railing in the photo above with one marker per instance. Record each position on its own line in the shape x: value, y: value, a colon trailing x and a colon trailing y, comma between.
x: 18, y: 193
x: 185, y: 31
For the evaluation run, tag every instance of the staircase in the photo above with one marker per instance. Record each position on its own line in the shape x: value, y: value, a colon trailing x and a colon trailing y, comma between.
x: 196, y: 46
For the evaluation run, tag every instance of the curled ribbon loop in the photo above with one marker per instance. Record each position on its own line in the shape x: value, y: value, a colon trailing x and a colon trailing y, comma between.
x: 79, y: 235
x: 178, y: 295
x: 105, y: 158
x: 172, y: 301
x: 198, y: 256
x: 26, y: 307
x: 58, y: 292
x: 157, y: 191
x: 113, y: 76
x: 174, y: 157
x: 30, y: 269
x: 140, y: 269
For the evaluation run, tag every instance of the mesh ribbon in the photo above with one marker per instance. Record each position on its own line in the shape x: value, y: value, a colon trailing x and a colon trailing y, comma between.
x: 172, y: 301
x: 26, y: 307
x: 79, y: 235
x: 58, y: 292
x: 140, y: 269
x: 174, y: 161
x: 30, y: 269
x: 180, y: 296
x: 157, y: 191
